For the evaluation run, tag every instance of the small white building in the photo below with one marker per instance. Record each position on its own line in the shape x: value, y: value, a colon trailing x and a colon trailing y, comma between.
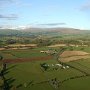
x: 67, y: 66
x: 53, y: 65
x: 64, y: 67
x: 58, y: 65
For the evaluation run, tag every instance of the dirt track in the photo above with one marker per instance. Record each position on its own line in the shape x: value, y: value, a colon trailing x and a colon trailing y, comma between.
x: 26, y: 59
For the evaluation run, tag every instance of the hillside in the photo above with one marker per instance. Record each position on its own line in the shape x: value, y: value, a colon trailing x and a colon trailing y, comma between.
x: 43, y: 31
x: 60, y: 30
x: 10, y: 32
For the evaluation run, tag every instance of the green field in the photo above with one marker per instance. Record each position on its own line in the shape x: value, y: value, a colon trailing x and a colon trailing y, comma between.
x: 30, y: 75
x: 11, y: 54
x: 29, y: 53
x: 31, y: 72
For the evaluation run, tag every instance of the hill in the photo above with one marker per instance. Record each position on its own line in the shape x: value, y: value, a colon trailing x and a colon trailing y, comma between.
x: 38, y: 31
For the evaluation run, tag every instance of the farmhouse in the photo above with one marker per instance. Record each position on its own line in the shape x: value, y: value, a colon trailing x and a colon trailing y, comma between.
x: 67, y: 66
x: 44, y: 51
x: 58, y: 65
x: 48, y: 51
x: 64, y: 67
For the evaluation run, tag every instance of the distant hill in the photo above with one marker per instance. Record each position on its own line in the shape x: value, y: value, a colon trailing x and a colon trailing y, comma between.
x: 36, y: 31
x: 59, y: 30
x: 11, y: 32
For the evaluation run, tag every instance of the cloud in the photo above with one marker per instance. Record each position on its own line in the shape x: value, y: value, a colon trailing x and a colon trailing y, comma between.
x: 14, y: 3
x: 6, y: 0
x: 20, y: 4
x: 5, y: 3
x: 9, y: 17
x: 85, y: 6
x: 52, y: 24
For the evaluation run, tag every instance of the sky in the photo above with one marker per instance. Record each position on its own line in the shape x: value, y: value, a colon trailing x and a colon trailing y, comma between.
x: 45, y: 13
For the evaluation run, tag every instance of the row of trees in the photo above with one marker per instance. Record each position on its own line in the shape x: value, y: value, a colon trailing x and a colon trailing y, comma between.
x: 42, y: 41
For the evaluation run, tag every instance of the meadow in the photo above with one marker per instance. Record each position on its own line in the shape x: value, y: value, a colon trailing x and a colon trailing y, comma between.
x: 31, y: 76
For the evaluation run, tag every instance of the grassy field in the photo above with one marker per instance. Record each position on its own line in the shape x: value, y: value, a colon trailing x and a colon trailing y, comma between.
x: 32, y: 72
x: 30, y: 75
x: 28, y: 53
x: 12, y: 54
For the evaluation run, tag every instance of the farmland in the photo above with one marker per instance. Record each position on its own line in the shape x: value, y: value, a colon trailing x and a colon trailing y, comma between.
x: 48, y: 60
x: 44, y: 45
x: 30, y: 75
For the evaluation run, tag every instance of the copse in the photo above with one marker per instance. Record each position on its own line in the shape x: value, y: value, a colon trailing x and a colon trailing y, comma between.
x: 45, y: 66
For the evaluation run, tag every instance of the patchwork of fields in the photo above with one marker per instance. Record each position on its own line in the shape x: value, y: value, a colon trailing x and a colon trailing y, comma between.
x: 29, y: 75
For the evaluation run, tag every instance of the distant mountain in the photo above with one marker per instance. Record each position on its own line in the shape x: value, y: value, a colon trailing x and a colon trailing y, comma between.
x: 36, y: 31
x: 59, y: 30
x: 12, y: 32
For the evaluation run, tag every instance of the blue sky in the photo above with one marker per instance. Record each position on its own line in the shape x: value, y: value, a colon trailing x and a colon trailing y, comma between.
x: 45, y: 13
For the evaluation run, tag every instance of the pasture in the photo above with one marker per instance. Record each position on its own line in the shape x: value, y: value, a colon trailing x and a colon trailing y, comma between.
x: 28, y: 53
x: 31, y: 76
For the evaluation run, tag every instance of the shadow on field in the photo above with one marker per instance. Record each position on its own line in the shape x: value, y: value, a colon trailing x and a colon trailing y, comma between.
x: 30, y: 83
x: 18, y: 86
x: 25, y: 84
x: 11, y: 67
x: 7, y: 82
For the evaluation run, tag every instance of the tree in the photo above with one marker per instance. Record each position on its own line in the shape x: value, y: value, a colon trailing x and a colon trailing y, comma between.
x: 11, y: 41
x: 1, y: 57
x: 44, y: 66
x: 44, y: 42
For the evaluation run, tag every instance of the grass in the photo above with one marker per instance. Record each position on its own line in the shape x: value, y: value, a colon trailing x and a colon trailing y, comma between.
x: 77, y: 84
x: 27, y: 72
x: 29, y: 53
x: 12, y: 54
x: 30, y: 73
